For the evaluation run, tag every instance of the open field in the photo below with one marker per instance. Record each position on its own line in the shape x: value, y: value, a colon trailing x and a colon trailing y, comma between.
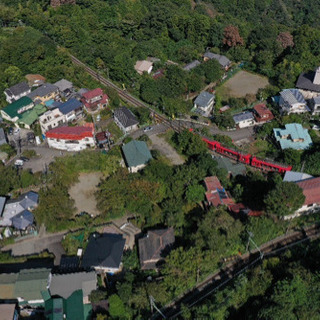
x: 83, y: 192
x: 241, y: 84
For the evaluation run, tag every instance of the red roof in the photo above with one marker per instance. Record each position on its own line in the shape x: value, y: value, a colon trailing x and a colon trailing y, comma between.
x: 216, y: 194
x: 93, y: 93
x: 262, y: 113
x: 311, y: 190
x: 71, y: 133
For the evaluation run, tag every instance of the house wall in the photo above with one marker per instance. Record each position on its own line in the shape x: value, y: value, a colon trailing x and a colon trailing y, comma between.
x: 127, y: 129
x: 137, y: 168
x: 108, y: 270
x: 67, y: 145
x: 51, y: 120
x: 294, y: 108
x: 14, y: 98
x: 304, y: 210
x: 246, y: 123
x: 23, y: 109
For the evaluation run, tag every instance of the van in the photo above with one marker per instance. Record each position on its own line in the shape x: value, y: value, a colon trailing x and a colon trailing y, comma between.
x: 18, y: 162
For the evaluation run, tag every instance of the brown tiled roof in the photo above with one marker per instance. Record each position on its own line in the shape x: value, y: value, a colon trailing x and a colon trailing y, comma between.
x: 154, y: 246
x: 311, y: 190
x: 216, y: 194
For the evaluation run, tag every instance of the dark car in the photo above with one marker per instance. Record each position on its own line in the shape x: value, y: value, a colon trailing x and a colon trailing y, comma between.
x: 10, y: 131
x: 30, y: 136
x: 25, y: 159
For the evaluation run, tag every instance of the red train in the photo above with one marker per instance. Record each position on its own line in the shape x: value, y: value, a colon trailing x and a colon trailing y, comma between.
x: 247, y: 159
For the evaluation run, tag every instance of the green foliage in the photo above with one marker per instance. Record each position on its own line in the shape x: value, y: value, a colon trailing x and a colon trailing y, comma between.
x: 224, y: 121
x: 195, y: 193
x: 189, y: 143
x: 97, y: 295
x: 292, y: 157
x: 312, y: 163
x: 284, y: 199
x: 29, y: 153
x: 8, y: 149
x: 116, y: 308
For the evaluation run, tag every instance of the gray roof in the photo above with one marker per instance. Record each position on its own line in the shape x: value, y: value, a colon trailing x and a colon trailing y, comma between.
x: 64, y: 285
x: 247, y: 115
x: 28, y: 200
x: 3, y: 139
x: 22, y: 220
x: 103, y: 250
x: 136, y: 153
x: 2, y: 204
x: 234, y: 169
x: 316, y: 100
x: 64, y: 84
x: 191, y: 65
x: 292, y: 96
x: 223, y: 60
x: 45, y: 89
x: 292, y: 176
x: 305, y: 81
x: 155, y: 246
x: 125, y: 117
x: 204, y: 99
x: 17, y: 89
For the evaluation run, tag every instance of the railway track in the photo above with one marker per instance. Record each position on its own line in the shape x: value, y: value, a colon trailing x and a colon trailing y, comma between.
x: 222, y: 277
x: 176, y: 126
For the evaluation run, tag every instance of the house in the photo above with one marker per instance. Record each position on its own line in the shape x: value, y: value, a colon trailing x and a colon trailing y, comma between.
x: 125, y: 119
x: 314, y: 105
x: 142, y: 66
x: 65, y: 87
x: 244, y: 119
x: 52, y: 119
x: 28, y: 118
x: 136, y: 154
x: 71, y: 138
x: 45, y: 92
x: 262, y: 113
x: 72, y: 308
x: 292, y: 176
x: 216, y: 195
x: 35, y: 80
x: 188, y: 67
x: 223, y: 60
x: 16, y: 92
x: 2, y: 204
x: 29, y: 285
x: 3, y: 137
x: 309, y: 83
x: 13, y: 111
x: 8, y: 311
x: 292, y: 101
x: 22, y: 220
x: 311, y: 190
x: 204, y: 103
x: 94, y: 99
x: 19, y: 208
x: 102, y: 138
x: 63, y: 285
x: 72, y: 109
x: 154, y: 247
x: 104, y: 253
x: 293, y: 136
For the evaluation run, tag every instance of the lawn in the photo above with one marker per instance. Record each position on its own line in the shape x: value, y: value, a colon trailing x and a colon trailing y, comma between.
x: 241, y: 84
x: 115, y: 131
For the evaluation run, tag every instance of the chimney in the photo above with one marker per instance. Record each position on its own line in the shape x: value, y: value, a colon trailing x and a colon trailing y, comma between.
x: 316, y: 79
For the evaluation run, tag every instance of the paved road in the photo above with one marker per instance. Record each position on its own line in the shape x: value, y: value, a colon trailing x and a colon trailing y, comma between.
x: 38, y: 244
x: 156, y: 129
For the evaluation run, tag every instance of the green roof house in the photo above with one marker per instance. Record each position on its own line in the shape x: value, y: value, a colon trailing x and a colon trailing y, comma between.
x: 293, y: 136
x: 31, y: 116
x: 136, y: 154
x: 13, y: 111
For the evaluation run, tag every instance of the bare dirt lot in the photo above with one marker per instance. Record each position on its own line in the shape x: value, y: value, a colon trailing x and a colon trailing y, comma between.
x: 83, y: 192
x: 160, y: 144
x: 243, y: 83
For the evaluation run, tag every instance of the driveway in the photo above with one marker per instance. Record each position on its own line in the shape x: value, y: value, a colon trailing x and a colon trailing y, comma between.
x: 156, y: 129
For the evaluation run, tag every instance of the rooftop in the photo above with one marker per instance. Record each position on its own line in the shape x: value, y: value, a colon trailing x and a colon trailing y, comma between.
x: 191, y: 65
x: 247, y: 115
x: 7, y: 311
x: 234, y: 169
x: 71, y: 133
x: 22, y: 220
x: 292, y: 176
x: 125, y: 117
x: 17, y: 89
x: 13, y: 109
x: 292, y: 96
x: 69, y: 106
x: 103, y: 250
x: 35, y: 79
x: 216, y: 194
x: 64, y: 84
x: 143, y: 66
x: 45, y: 89
x: 293, y: 136
x: 31, y: 116
x: 92, y: 93
x: 305, y: 82
x: 204, y: 99
x: 223, y: 60
x: 136, y: 153
x: 311, y: 190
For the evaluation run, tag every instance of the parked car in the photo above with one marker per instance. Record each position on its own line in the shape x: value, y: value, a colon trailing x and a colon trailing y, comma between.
x: 25, y: 159
x: 30, y: 136
x: 146, y: 129
x: 10, y: 131
x: 18, y: 163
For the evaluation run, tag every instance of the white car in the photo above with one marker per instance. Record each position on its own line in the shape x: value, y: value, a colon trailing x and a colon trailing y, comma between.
x: 16, y: 131
x: 18, y: 162
x: 146, y: 129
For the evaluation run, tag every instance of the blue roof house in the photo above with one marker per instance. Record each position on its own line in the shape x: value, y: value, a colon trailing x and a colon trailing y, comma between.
x: 72, y: 109
x: 204, y: 103
x: 294, y: 136
x: 292, y: 101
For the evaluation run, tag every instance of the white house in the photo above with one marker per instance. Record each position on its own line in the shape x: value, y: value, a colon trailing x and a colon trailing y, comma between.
x: 51, y: 119
x: 204, y: 103
x: 71, y: 138
x: 314, y: 104
x: 292, y: 101
x: 13, y: 111
x: 125, y: 119
x: 244, y: 119
x: 142, y: 66
x: 17, y: 91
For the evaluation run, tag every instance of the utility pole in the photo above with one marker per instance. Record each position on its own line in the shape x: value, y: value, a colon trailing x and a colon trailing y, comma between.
x: 250, y: 239
x: 153, y: 305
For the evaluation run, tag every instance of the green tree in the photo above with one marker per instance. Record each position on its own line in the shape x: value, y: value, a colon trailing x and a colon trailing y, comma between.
x: 195, y: 193
x: 284, y: 199
x: 117, y: 309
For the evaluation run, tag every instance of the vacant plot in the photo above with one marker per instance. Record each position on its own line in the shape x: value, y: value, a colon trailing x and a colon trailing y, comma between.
x: 83, y: 192
x: 241, y: 84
